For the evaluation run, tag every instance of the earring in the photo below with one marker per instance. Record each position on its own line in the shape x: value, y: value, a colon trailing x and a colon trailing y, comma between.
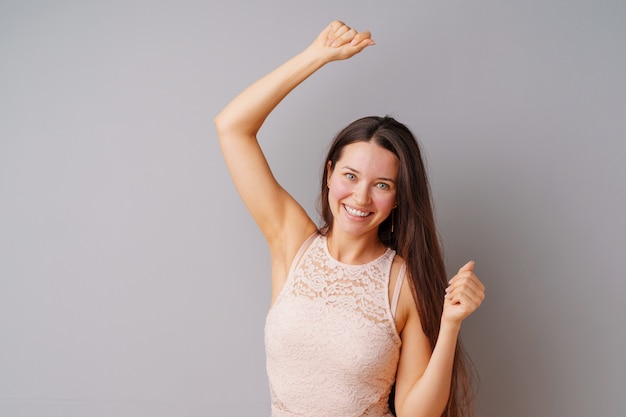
x: 392, y: 219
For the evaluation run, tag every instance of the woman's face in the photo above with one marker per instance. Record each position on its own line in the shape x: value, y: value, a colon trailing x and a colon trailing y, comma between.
x: 362, y: 188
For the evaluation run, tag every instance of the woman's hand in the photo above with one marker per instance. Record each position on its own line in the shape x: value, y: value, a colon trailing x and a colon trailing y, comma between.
x: 464, y: 294
x: 339, y: 41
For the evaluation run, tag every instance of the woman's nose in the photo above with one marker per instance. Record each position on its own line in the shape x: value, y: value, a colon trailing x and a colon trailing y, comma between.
x: 361, y: 193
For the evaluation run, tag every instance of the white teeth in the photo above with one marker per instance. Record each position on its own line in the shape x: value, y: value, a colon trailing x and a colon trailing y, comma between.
x: 355, y: 212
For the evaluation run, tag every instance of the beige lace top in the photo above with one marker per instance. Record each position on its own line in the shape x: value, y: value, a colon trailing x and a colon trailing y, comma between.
x: 331, y: 342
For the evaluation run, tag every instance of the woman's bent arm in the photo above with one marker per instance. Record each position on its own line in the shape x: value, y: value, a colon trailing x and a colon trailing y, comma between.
x: 273, y: 209
x: 423, y: 383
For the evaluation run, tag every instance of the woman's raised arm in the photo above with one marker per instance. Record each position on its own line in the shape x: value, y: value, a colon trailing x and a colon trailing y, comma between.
x: 273, y: 209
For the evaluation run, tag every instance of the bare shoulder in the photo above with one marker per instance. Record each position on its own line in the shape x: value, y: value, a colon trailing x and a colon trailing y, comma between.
x: 406, y: 302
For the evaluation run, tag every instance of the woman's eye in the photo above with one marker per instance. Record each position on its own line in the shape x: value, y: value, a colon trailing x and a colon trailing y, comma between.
x: 382, y: 186
x: 350, y: 176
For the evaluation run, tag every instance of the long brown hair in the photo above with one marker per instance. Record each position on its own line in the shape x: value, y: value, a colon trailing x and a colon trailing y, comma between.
x: 414, y: 236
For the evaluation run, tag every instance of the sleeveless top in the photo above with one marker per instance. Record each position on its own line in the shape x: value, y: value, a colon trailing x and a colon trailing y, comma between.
x: 331, y: 342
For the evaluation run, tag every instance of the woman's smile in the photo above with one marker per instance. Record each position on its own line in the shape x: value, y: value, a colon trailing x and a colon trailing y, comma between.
x: 356, y: 212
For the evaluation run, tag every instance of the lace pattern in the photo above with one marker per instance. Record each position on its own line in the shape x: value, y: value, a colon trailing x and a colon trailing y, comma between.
x: 331, y: 343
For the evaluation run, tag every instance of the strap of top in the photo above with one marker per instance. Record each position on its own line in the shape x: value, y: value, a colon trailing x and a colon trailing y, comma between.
x: 301, y: 251
x: 396, y: 291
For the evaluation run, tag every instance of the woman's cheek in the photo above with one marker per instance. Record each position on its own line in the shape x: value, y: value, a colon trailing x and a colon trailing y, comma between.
x: 386, y: 200
x: 339, y: 190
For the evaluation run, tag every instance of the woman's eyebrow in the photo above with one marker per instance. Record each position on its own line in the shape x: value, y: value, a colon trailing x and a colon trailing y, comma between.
x: 357, y: 172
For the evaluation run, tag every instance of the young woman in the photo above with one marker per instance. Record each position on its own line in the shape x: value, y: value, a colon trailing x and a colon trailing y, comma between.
x: 362, y: 303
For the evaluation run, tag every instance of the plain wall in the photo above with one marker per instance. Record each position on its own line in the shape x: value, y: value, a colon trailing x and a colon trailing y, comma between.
x: 132, y: 280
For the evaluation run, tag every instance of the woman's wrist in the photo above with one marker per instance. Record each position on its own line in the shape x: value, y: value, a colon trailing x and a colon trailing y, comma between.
x: 450, y: 327
x: 316, y: 56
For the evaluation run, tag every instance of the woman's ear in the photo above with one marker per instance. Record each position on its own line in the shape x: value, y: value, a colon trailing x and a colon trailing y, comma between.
x: 329, y: 171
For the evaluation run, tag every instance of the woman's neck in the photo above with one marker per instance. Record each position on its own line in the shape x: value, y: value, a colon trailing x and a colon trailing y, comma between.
x: 354, y: 250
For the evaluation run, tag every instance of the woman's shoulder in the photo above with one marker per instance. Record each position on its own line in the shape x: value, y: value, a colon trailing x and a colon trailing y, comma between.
x: 398, y: 265
x: 406, y: 308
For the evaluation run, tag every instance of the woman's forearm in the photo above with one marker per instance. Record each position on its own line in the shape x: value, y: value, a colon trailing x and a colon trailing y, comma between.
x: 246, y: 113
x: 428, y: 397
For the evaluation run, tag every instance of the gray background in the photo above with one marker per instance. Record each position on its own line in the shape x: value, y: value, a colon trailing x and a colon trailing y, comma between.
x: 132, y: 280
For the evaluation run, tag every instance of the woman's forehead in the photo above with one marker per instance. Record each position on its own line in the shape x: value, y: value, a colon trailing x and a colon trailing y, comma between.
x: 369, y: 157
